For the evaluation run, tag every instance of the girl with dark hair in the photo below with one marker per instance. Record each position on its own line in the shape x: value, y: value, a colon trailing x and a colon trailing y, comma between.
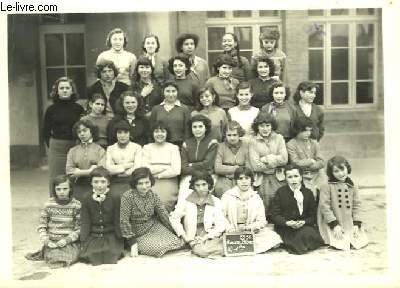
x: 186, y: 44
x: 132, y: 112
x: 164, y: 161
x: 204, y: 220
x: 267, y: 154
x: 263, y: 71
x: 57, y: 127
x: 145, y: 83
x: 305, y: 153
x: 231, y: 154
x: 151, y: 47
x: 245, y: 211
x: 172, y: 113
x: 107, y: 85
x: 223, y: 83
x: 339, y: 208
x: 281, y: 109
x: 144, y: 220
x: 84, y: 157
x: 100, y: 233
x: 241, y: 67
x: 305, y: 108
x: 124, y: 61
x: 197, y: 152
x: 208, y: 106
x: 59, y: 226
x: 179, y: 67
x: 294, y: 213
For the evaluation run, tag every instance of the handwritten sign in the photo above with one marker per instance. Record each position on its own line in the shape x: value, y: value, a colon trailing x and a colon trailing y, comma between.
x: 239, y: 244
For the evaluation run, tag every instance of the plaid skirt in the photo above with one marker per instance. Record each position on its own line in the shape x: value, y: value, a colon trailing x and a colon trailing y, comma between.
x: 67, y: 255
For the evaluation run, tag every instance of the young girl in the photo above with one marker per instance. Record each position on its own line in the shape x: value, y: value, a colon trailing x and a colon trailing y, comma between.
x: 208, y: 102
x: 244, y: 113
x: 305, y: 108
x: 204, y: 220
x: 144, y: 221
x: 264, y: 71
x: 223, y: 83
x: 151, y: 47
x: 84, y: 157
x: 122, y: 158
x: 100, y: 233
x: 269, y: 41
x: 59, y: 226
x: 339, y: 208
x: 245, y: 211
x: 241, y: 69
x: 125, y: 61
x: 231, y: 154
x: 97, y: 115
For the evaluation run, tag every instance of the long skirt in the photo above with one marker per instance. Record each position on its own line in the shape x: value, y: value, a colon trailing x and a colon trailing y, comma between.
x: 210, y: 247
x: 57, y: 158
x: 158, y: 241
x: 267, y: 191
x: 167, y: 190
x: 223, y: 184
x: 118, y: 186
x: 102, y: 250
x: 302, y: 240
x: 265, y: 240
x: 64, y: 256
x: 81, y: 188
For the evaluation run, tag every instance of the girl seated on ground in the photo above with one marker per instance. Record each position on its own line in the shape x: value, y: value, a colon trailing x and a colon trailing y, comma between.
x: 294, y: 213
x: 144, y: 220
x: 204, y: 220
x: 339, y: 208
x: 245, y: 211
x: 100, y: 234
x: 59, y: 226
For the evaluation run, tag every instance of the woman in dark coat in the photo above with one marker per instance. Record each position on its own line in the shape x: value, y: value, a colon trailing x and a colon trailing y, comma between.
x: 294, y: 214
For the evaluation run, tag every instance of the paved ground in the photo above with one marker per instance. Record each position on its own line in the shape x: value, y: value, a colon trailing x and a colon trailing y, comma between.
x: 181, y: 269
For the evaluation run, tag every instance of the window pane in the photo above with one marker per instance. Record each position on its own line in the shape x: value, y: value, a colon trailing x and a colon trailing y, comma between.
x: 319, y: 97
x: 316, y: 65
x: 339, y: 93
x: 340, y: 35
x: 340, y: 64
x: 340, y: 12
x: 215, y: 14
x: 268, y: 27
x: 75, y: 48
x: 365, y: 92
x: 212, y: 56
x: 79, y: 76
x: 365, y: 63
x: 316, y: 35
x: 269, y: 13
x: 315, y: 12
x: 52, y: 18
x: 365, y: 11
x: 215, y: 37
x: 365, y: 35
x: 246, y: 54
x: 242, y: 13
x: 245, y: 37
x: 52, y: 74
x: 54, y: 44
x: 75, y: 18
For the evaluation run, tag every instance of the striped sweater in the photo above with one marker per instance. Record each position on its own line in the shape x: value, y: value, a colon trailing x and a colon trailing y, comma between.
x: 60, y: 221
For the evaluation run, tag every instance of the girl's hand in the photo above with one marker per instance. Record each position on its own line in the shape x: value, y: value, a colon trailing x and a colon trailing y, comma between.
x: 338, y: 232
x: 264, y: 160
x: 61, y: 243
x: 356, y: 230
x: 147, y: 90
x: 299, y: 224
x: 290, y: 223
x: 276, y: 78
x: 134, y: 250
x: 92, y: 168
x: 128, y: 165
x: 51, y: 244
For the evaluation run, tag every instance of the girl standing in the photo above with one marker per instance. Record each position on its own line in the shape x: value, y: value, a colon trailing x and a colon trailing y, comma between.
x: 144, y: 220
x: 263, y: 71
x: 241, y: 69
x: 124, y: 61
x: 59, y: 226
x: 84, y: 157
x: 100, y: 234
x: 57, y: 127
x: 208, y: 102
x: 245, y: 211
x: 151, y: 47
x: 204, y: 220
x: 339, y: 208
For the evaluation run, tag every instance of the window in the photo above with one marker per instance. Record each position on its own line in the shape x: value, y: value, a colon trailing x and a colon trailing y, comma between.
x: 245, y: 24
x: 62, y: 54
x: 342, y: 50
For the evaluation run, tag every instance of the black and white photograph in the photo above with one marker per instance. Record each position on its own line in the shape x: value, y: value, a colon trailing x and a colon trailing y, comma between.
x: 208, y: 145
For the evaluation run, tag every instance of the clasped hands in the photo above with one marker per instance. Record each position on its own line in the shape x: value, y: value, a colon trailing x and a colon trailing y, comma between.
x: 295, y: 224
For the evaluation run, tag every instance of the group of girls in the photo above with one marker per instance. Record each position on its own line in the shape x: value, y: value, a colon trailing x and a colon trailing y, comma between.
x: 161, y: 141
